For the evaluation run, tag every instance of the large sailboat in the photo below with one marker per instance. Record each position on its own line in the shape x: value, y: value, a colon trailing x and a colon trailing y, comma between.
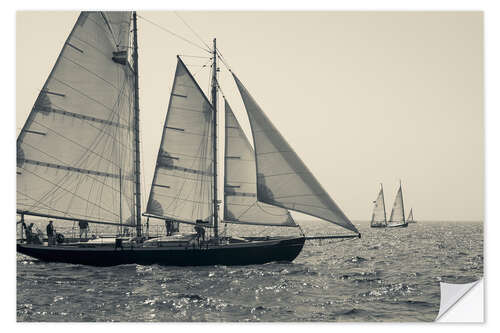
x: 78, y: 160
x: 379, y: 219
x: 397, y: 218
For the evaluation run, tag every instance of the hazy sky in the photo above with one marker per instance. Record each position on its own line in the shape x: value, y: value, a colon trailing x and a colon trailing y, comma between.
x: 362, y: 97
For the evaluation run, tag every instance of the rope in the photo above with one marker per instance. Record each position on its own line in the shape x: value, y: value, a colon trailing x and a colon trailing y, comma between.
x: 192, y: 30
x: 174, y: 34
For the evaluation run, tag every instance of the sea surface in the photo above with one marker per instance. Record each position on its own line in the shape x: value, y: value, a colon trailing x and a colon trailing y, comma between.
x: 387, y: 275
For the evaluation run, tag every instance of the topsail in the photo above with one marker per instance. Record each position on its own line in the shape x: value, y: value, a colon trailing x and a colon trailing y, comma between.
x: 283, y: 180
x: 75, y: 153
x: 240, y: 182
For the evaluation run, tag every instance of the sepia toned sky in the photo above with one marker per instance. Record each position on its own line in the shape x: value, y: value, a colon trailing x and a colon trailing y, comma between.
x: 362, y: 97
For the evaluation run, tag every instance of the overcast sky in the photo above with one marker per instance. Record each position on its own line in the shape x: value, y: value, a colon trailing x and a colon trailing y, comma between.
x: 362, y: 97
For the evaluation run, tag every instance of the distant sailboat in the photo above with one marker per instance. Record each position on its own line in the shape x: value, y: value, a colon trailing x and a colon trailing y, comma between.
x: 410, y: 217
x: 379, y: 219
x: 78, y: 159
x: 397, y: 218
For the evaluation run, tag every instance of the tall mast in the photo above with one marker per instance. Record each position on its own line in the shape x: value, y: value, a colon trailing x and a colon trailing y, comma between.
x: 135, y: 57
x: 214, y: 106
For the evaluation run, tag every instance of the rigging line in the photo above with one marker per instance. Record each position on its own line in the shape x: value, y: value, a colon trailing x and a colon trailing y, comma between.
x: 174, y: 34
x: 192, y: 30
x: 202, y: 67
x: 221, y: 57
x: 194, y: 56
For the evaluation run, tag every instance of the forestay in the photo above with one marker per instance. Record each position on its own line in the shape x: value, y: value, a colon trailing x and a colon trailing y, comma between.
x: 379, y: 217
x: 240, y: 181
x: 183, y: 178
x: 75, y: 151
x: 283, y: 180
x: 398, y: 213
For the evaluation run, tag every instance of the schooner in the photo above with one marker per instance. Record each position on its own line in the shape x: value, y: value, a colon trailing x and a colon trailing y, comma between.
x: 78, y: 159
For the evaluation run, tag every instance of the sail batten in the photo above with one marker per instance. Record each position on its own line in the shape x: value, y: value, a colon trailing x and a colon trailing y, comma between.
x: 283, y: 180
x: 184, y: 165
x: 75, y: 150
x: 240, y: 181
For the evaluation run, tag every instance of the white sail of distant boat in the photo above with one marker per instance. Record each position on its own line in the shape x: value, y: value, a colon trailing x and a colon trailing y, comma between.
x: 379, y: 218
x: 240, y: 182
x: 410, y: 217
x: 283, y: 180
x: 183, y: 178
x: 75, y: 153
x: 397, y: 218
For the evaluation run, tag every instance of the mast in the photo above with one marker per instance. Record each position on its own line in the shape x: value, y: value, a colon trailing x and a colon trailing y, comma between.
x: 214, y: 106
x: 136, y: 131
x: 383, y: 203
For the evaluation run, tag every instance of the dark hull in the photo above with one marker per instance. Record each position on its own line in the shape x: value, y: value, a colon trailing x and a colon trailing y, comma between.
x: 252, y: 253
x: 378, y: 226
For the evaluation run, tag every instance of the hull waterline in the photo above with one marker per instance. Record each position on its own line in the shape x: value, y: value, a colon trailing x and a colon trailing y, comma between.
x: 252, y: 253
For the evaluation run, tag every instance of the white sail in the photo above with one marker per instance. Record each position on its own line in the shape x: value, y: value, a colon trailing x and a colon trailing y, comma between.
x: 410, y: 216
x: 379, y: 217
x: 75, y: 152
x: 183, y: 179
x: 283, y: 180
x: 398, y: 211
x: 240, y: 182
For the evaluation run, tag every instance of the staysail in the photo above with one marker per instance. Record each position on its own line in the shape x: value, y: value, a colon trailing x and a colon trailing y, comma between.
x: 379, y: 216
x: 240, y: 182
x: 75, y: 152
x: 398, y: 211
x: 283, y: 180
x: 183, y: 178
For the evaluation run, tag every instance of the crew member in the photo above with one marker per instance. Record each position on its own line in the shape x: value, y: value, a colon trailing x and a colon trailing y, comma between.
x: 168, y: 227
x: 51, y: 233
x: 84, y: 229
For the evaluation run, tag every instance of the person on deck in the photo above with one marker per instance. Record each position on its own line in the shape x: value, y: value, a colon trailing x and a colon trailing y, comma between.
x: 200, y: 232
x: 27, y: 231
x: 84, y: 229
x: 51, y: 234
x: 168, y: 227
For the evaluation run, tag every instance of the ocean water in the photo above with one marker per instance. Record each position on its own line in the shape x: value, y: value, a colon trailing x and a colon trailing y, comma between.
x: 387, y: 275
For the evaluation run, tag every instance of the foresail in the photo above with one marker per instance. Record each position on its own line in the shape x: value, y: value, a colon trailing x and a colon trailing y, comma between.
x: 378, y: 216
x: 183, y: 178
x: 240, y: 182
x: 283, y: 180
x: 75, y: 151
x: 397, y: 213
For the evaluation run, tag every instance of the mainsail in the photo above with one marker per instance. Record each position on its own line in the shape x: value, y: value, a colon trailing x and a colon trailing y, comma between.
x: 75, y: 152
x: 283, y: 180
x: 379, y: 216
x: 240, y: 182
x: 183, y: 178
x: 398, y: 210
